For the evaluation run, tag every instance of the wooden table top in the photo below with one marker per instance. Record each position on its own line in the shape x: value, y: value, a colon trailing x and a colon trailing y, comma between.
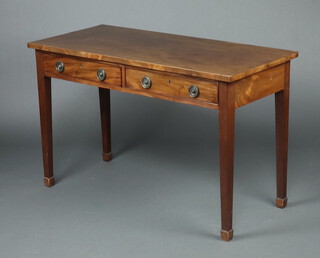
x: 211, y: 59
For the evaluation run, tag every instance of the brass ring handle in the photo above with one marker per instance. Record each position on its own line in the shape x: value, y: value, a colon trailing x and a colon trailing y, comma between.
x: 59, y: 66
x: 101, y: 74
x: 193, y: 91
x: 146, y: 82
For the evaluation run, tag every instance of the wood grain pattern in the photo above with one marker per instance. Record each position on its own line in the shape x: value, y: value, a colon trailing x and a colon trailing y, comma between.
x: 172, y: 85
x: 229, y: 75
x: 259, y: 85
x: 128, y: 90
x: 205, y: 58
x: 82, y: 69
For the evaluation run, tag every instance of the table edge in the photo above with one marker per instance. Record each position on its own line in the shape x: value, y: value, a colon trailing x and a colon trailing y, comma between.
x: 160, y: 67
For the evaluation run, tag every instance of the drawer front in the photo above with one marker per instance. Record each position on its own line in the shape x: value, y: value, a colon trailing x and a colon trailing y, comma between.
x: 82, y: 69
x: 172, y: 85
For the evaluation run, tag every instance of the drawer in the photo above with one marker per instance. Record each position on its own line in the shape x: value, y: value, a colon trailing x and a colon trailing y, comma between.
x: 77, y: 68
x: 176, y: 86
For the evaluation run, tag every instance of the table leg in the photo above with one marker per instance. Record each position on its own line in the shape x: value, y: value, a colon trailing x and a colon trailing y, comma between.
x: 282, y: 123
x: 44, y: 92
x: 226, y: 139
x: 104, y: 96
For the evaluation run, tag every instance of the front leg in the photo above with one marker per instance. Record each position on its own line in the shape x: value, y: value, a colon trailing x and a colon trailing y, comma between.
x: 226, y: 139
x: 282, y: 128
x: 44, y: 92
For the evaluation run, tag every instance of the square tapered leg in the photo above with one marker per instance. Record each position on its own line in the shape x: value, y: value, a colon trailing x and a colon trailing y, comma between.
x: 282, y: 129
x: 226, y: 142
x: 105, y: 115
x: 44, y: 92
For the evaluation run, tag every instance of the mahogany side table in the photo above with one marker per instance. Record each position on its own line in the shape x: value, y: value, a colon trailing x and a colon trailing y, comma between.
x: 207, y: 73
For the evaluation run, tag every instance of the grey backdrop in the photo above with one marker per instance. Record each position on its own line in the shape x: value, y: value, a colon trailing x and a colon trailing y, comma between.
x: 159, y: 197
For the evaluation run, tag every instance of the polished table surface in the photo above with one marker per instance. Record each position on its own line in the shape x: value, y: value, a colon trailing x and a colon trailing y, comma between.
x: 203, y: 72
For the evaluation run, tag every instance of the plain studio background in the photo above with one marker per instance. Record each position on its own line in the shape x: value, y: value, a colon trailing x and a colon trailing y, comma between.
x: 159, y: 197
